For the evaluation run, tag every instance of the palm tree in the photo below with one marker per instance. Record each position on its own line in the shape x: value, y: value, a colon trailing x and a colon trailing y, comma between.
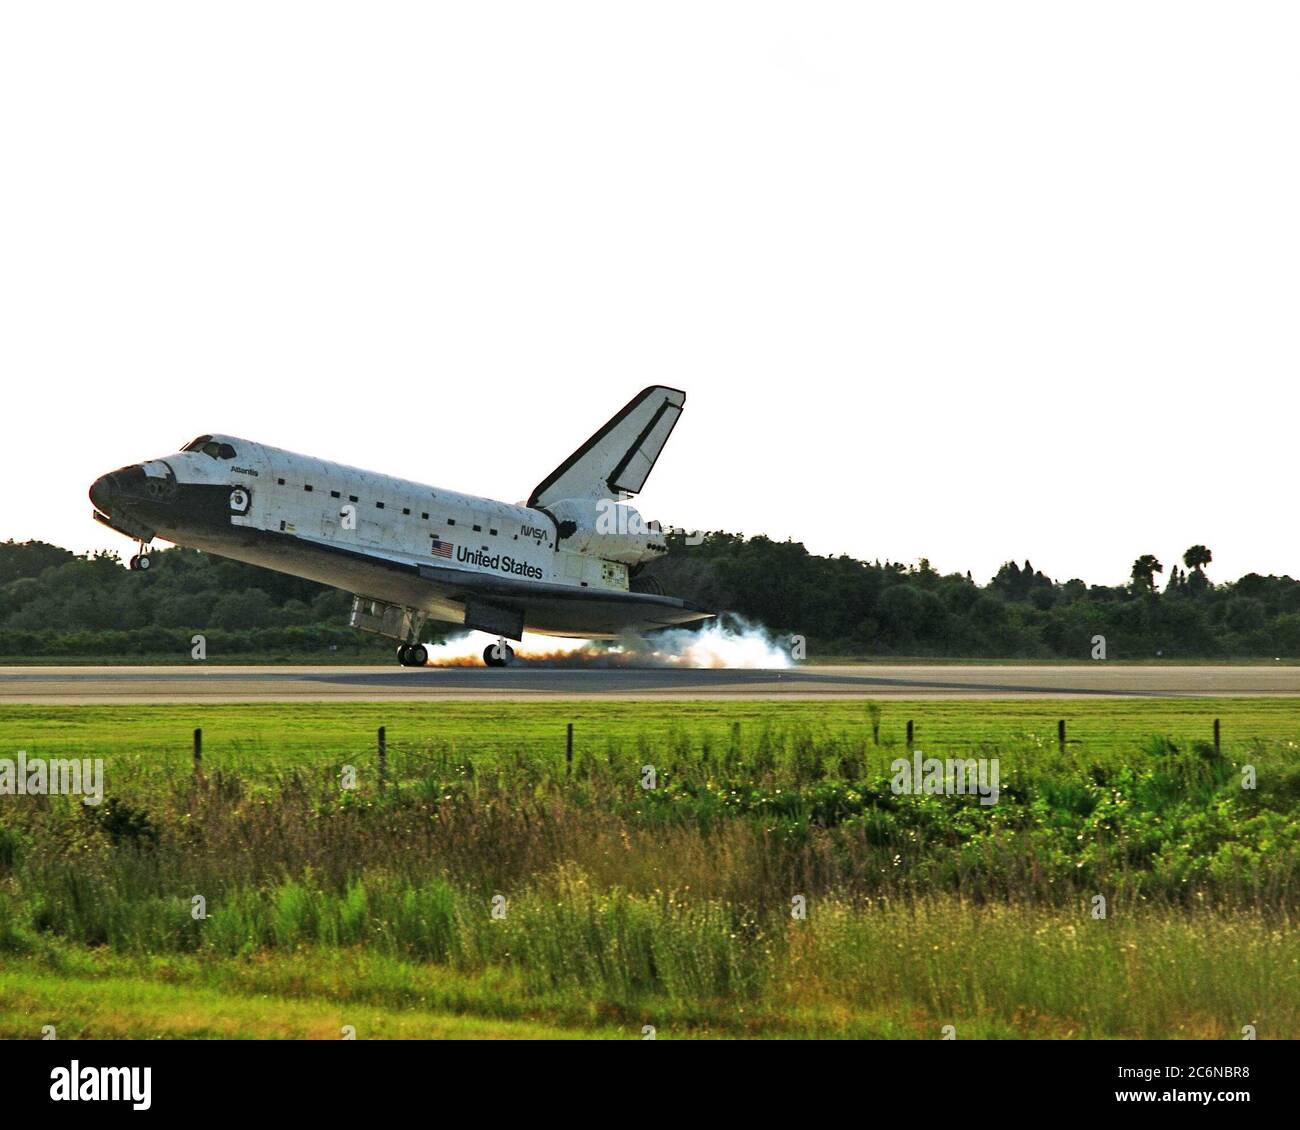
x: 1145, y: 569
x: 1197, y: 557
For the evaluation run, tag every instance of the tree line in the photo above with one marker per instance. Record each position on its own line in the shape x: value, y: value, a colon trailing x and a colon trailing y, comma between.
x: 844, y: 606
x: 56, y: 603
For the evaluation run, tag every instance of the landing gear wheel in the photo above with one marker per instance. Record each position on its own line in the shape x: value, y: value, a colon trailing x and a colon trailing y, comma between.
x: 417, y: 655
x: 493, y: 657
x: 402, y: 653
x: 141, y: 562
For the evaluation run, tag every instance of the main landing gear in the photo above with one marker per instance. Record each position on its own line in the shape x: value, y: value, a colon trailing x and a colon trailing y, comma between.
x: 141, y: 562
x: 499, y: 654
x: 412, y: 655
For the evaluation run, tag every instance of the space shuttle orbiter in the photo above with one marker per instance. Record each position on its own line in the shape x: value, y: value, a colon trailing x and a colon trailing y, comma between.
x: 562, y: 563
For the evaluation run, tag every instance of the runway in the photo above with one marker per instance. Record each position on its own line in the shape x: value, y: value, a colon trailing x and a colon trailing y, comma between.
x: 199, y: 683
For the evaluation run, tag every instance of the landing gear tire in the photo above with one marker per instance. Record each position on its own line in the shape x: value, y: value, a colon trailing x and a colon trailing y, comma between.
x: 141, y: 563
x: 412, y: 655
x: 493, y: 658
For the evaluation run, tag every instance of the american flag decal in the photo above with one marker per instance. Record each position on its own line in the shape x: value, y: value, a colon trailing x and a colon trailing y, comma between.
x: 442, y: 548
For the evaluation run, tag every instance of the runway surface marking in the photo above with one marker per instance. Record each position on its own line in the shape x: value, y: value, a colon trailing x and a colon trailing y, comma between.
x: 95, y: 685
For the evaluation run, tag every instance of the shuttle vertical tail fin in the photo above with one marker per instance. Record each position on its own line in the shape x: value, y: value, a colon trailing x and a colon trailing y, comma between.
x: 620, y: 456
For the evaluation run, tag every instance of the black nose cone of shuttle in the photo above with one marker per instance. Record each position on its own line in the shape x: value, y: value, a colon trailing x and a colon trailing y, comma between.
x: 103, y: 493
x: 126, y: 500
x: 125, y: 485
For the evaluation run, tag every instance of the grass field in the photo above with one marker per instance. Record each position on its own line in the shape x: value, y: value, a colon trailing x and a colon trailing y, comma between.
x: 382, y: 656
x: 262, y: 740
x: 489, y: 889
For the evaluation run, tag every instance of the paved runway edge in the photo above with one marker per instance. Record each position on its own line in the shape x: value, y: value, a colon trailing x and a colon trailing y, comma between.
x: 217, y: 684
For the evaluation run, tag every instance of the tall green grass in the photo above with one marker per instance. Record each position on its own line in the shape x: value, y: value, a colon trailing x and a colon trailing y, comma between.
x: 619, y: 901
x: 1020, y: 968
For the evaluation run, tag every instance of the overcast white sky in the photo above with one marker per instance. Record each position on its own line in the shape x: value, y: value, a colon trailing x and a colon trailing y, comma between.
x: 968, y: 281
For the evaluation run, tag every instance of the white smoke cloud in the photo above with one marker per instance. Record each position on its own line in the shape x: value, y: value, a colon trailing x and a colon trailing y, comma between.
x: 726, y: 643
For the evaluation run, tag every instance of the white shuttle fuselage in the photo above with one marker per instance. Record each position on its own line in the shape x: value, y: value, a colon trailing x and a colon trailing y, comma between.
x: 562, y: 563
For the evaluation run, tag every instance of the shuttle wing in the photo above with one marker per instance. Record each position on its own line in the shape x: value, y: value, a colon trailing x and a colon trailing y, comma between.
x: 558, y: 608
x: 619, y: 457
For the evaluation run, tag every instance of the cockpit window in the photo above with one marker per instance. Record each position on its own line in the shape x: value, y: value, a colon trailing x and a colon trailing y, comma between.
x: 209, y: 446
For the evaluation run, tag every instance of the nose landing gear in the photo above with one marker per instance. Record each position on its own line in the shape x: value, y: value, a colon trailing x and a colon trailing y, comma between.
x: 141, y: 562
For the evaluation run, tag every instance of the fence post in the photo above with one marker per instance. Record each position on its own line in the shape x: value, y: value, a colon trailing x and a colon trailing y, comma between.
x: 909, y: 733
x: 383, y: 756
x: 1060, y: 734
x: 1216, y: 735
x: 198, y: 749
x: 568, y: 751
